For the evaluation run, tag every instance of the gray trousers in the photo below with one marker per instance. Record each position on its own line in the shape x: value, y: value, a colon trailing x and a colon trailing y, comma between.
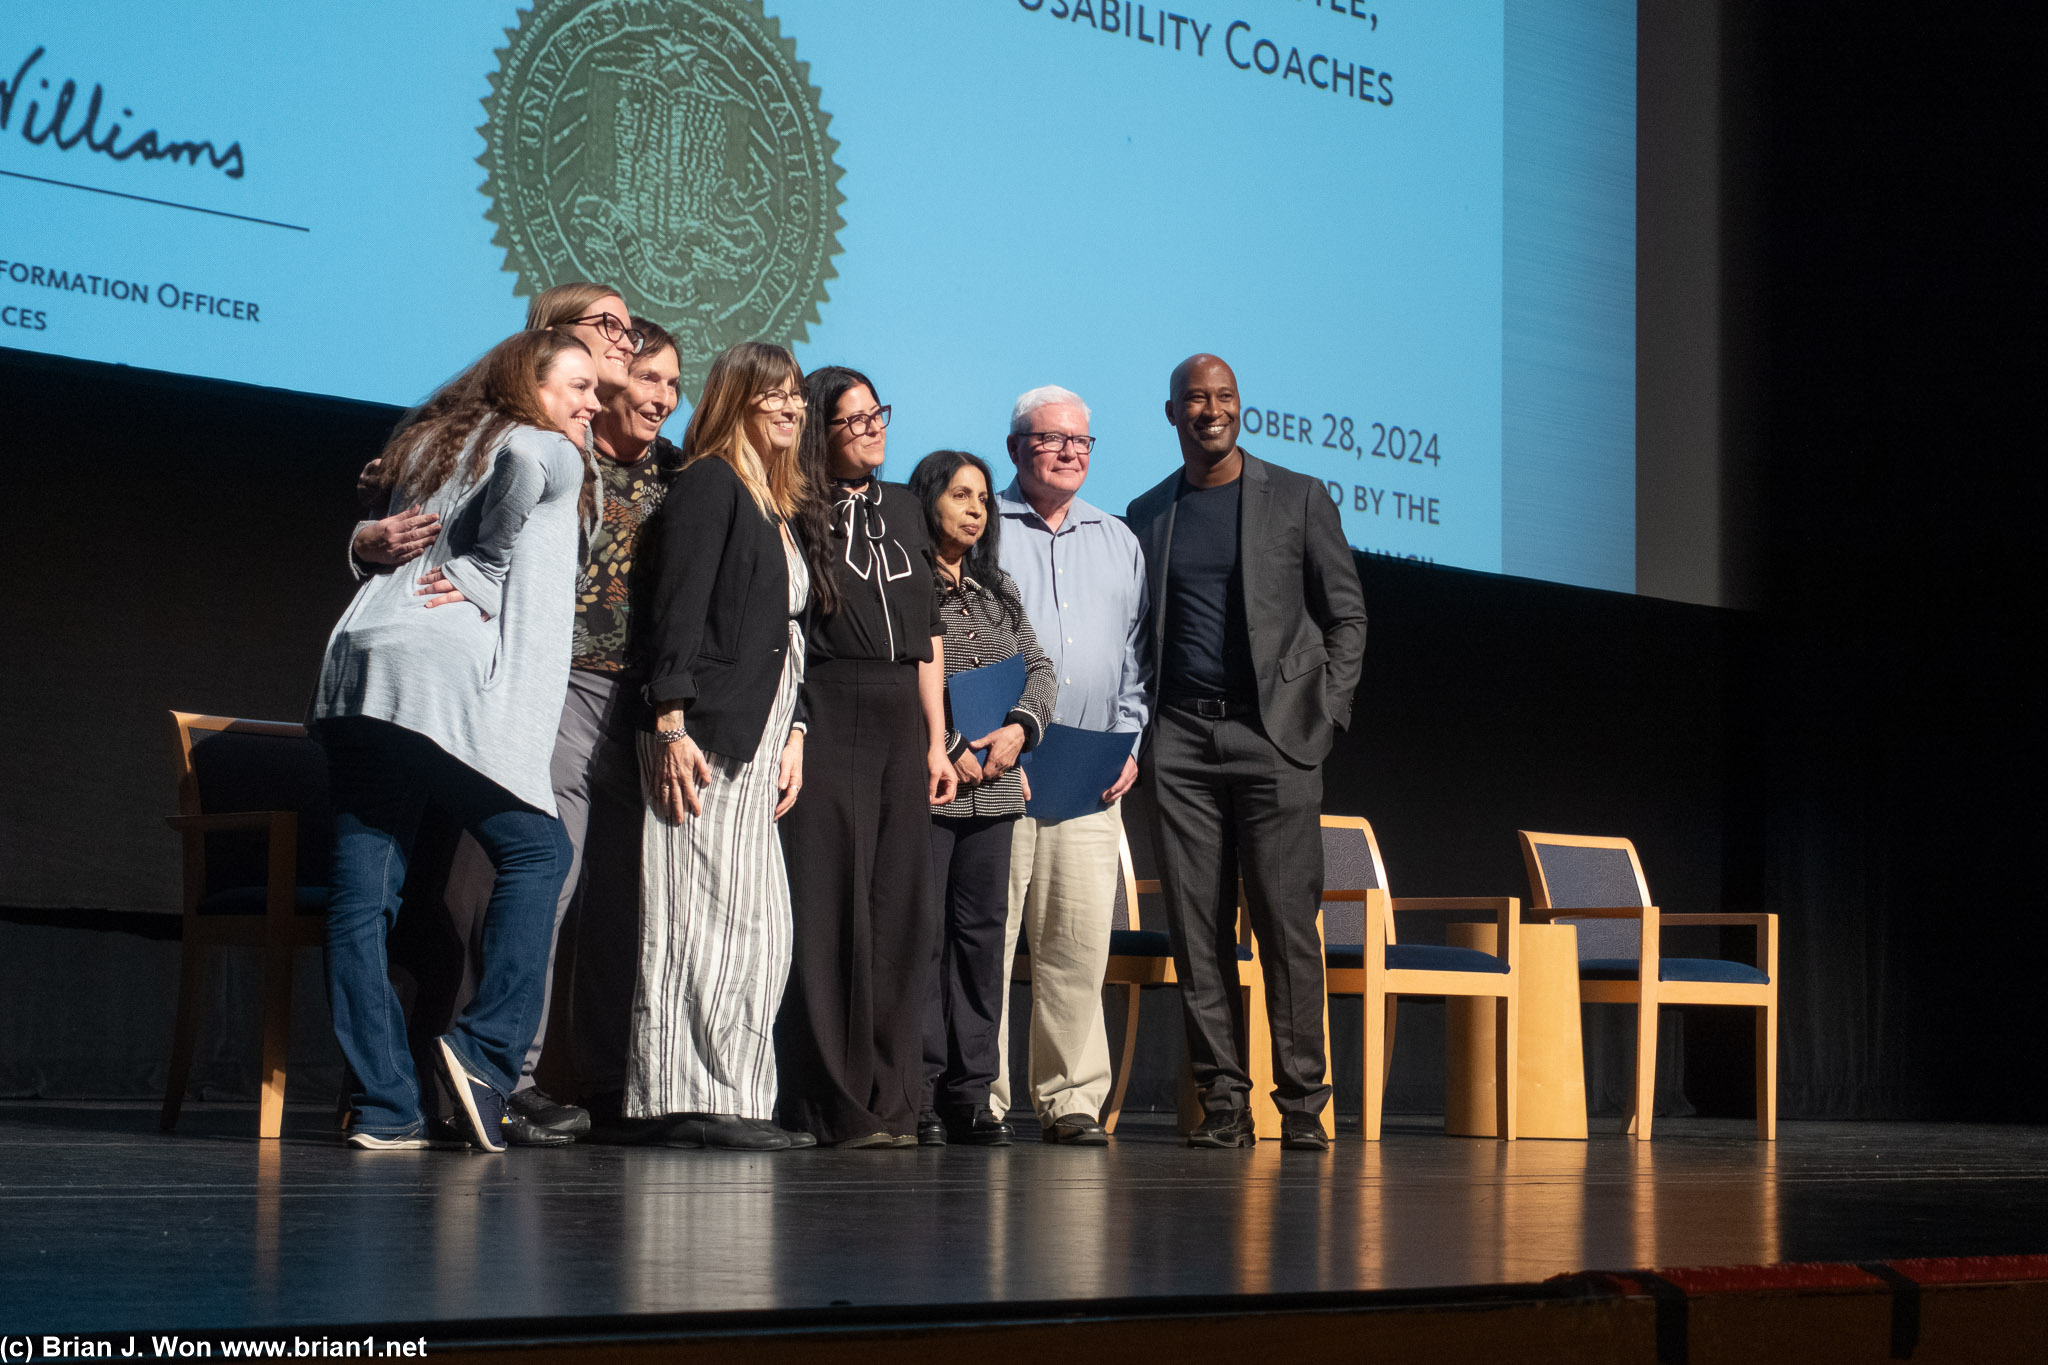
x: 1230, y: 805
x: 596, y: 777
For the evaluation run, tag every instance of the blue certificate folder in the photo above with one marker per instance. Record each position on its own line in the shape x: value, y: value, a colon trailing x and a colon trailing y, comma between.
x: 1071, y: 769
x: 982, y: 697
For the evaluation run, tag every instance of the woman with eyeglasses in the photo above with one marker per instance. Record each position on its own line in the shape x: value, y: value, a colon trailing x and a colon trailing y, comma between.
x: 595, y: 772
x: 726, y: 586
x: 858, y: 846
x: 595, y: 315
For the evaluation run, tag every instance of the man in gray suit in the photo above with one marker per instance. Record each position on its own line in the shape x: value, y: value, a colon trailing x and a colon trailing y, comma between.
x: 1257, y: 634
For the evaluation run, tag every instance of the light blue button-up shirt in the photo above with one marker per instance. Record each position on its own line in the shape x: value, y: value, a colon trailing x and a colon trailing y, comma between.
x: 1084, y: 591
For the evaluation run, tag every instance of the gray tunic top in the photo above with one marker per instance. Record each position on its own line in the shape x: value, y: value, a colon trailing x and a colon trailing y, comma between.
x: 483, y: 679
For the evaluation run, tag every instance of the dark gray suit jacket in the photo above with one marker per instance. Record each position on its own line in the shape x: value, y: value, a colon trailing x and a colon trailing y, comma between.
x: 1304, y: 608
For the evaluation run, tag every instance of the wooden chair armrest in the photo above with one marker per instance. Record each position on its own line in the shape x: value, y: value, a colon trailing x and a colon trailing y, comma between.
x: 1730, y: 917
x: 1344, y: 895
x: 1148, y: 886
x: 1493, y: 903
x: 1601, y: 912
x: 230, y: 820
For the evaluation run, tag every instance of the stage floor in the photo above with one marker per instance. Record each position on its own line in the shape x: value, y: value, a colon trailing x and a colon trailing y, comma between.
x: 110, y: 1225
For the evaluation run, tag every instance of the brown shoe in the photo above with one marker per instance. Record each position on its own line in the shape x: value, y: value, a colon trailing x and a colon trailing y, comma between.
x: 1076, y: 1130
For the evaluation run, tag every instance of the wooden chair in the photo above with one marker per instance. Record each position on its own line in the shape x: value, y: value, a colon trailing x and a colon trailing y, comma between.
x: 1597, y: 884
x: 1363, y: 956
x: 254, y: 817
x: 1140, y: 958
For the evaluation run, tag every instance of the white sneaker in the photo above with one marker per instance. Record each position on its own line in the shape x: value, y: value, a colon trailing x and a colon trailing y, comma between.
x: 370, y: 1142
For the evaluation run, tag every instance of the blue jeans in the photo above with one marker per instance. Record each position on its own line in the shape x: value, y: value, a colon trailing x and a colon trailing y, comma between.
x: 382, y: 777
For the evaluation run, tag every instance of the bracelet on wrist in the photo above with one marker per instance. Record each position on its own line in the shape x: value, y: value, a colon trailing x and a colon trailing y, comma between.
x: 675, y: 736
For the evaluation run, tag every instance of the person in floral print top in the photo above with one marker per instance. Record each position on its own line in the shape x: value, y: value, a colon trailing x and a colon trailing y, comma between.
x: 635, y: 463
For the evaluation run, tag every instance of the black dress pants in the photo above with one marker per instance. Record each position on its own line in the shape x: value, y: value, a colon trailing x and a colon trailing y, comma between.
x: 849, y: 1042
x: 971, y: 878
x: 1229, y: 804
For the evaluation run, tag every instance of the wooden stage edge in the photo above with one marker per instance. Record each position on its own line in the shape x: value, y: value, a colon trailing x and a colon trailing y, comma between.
x: 1935, y: 1310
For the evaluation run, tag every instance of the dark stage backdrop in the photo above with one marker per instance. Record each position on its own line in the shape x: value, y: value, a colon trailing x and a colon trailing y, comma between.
x: 184, y: 549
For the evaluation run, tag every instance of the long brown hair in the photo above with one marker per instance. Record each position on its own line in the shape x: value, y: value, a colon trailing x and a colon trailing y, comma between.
x: 563, y: 304
x: 718, y: 424
x: 477, y: 409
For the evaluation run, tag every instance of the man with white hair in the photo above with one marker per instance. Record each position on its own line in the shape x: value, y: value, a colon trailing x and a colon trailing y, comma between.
x: 1081, y: 575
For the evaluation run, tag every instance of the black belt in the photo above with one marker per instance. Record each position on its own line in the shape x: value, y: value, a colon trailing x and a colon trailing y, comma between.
x: 1212, y: 708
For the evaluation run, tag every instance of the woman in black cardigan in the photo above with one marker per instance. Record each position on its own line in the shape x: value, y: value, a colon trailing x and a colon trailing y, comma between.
x: 723, y: 762
x: 850, y: 1039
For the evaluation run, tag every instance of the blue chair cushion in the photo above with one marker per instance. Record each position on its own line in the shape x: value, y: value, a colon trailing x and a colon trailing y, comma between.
x: 252, y: 900
x: 1420, y: 957
x: 1675, y: 969
x: 1134, y: 943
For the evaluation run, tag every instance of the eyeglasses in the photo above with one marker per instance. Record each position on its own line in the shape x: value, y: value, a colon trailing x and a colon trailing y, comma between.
x: 611, y: 329
x: 1058, y: 440
x: 779, y: 400
x: 861, y: 423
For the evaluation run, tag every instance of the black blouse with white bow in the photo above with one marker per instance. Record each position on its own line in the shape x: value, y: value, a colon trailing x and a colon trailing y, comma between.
x: 882, y: 558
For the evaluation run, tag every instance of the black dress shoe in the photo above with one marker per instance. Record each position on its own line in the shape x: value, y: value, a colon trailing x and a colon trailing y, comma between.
x: 1076, y: 1130
x: 931, y: 1130
x: 1303, y: 1133
x: 977, y: 1127
x: 522, y: 1131
x: 1225, y: 1128
x: 726, y: 1132
x: 533, y: 1105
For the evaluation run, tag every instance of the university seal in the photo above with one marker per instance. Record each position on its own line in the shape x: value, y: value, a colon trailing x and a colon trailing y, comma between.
x: 674, y: 148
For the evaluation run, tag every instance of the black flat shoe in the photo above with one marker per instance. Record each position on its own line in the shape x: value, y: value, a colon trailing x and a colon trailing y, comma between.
x: 1225, y: 1128
x: 1076, y: 1130
x: 797, y: 1136
x: 977, y: 1127
x: 541, y: 1111
x: 1302, y: 1133
x: 931, y: 1130
x: 726, y: 1133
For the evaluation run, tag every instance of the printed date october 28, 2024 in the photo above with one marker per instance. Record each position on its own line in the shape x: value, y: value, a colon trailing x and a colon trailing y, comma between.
x: 1379, y: 440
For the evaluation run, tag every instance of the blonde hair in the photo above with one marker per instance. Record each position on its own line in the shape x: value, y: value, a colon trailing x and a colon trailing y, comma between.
x: 718, y: 424
x: 563, y: 304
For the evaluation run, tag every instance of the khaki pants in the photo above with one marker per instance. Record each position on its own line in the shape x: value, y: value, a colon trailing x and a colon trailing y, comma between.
x: 1062, y: 895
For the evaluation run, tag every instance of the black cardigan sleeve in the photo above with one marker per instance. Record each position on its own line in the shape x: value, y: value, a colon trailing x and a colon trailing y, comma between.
x: 690, y: 535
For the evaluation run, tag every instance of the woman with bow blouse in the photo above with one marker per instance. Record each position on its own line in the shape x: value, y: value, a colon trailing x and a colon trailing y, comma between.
x: 849, y: 1041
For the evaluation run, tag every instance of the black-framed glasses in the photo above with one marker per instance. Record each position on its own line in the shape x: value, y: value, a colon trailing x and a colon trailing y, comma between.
x: 861, y: 423
x: 1059, y: 440
x: 779, y: 400
x: 611, y: 329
